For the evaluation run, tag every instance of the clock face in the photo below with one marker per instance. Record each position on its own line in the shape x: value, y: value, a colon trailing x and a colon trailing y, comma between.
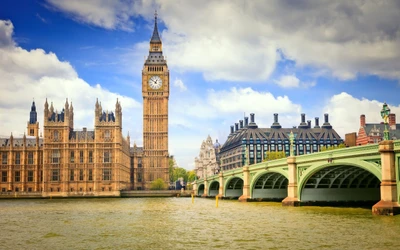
x: 155, y: 82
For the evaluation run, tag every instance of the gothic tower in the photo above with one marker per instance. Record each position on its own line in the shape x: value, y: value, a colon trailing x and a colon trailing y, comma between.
x: 33, y: 125
x: 155, y: 91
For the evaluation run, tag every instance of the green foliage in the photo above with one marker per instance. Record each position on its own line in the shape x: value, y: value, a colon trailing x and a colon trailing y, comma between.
x: 180, y: 172
x: 269, y: 156
x: 327, y: 148
x: 158, y: 185
x: 191, y: 175
x: 171, y: 168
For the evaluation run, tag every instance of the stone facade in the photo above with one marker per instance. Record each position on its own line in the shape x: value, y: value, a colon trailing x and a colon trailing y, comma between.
x: 66, y: 162
x: 155, y: 92
x: 207, y: 163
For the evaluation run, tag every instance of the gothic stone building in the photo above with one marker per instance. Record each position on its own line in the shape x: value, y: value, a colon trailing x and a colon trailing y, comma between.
x: 100, y: 162
x: 207, y: 163
x: 260, y: 141
x: 67, y: 162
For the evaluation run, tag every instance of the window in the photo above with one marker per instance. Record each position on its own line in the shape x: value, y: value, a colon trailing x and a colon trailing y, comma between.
x: 139, y: 177
x: 272, y: 147
x: 107, y: 157
x: 81, y: 174
x: 30, y: 175
x: 17, y: 158
x: 279, y: 147
x: 314, y: 147
x: 55, y: 174
x: 81, y: 156
x: 4, y: 158
x: 55, y: 156
x: 31, y: 131
x: 56, y: 135
x: 72, y: 158
x: 90, y: 157
x: 251, y: 147
x: 41, y: 175
x: 3, y: 176
x: 107, y: 134
x: 17, y: 176
x: 139, y: 162
x: 71, y: 174
x: 90, y: 178
x: 258, y: 147
x: 30, y: 158
x: 107, y: 174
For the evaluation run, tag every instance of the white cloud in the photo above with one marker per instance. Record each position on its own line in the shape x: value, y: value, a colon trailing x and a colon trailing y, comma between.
x: 180, y: 85
x: 25, y: 75
x: 291, y: 81
x: 345, y: 110
x: 238, y: 40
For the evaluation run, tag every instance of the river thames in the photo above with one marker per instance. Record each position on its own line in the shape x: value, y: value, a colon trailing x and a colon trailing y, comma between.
x: 177, y: 223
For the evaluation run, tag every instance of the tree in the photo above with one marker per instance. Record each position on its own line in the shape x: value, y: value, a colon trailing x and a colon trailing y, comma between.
x: 269, y: 156
x: 158, y: 185
x: 171, y: 168
x: 191, y: 175
x: 327, y: 148
x: 180, y: 172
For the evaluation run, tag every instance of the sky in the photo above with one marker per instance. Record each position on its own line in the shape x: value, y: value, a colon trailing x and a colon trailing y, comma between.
x: 227, y: 59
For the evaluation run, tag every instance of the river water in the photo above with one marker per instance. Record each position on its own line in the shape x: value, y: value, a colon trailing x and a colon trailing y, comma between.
x: 177, y: 223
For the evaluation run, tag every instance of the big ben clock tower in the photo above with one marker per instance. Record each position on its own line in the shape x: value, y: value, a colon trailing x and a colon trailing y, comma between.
x: 155, y: 91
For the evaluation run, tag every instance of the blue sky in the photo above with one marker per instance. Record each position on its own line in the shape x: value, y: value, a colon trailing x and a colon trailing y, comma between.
x: 226, y: 59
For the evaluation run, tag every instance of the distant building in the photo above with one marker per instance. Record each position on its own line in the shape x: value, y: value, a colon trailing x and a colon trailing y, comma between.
x: 258, y: 142
x: 373, y: 132
x: 350, y: 139
x: 207, y: 163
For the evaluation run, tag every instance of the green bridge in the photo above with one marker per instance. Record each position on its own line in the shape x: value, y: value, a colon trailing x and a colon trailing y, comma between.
x: 363, y: 174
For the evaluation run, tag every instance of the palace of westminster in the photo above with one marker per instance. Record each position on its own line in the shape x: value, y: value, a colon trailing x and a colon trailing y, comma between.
x: 100, y: 162
x: 66, y: 162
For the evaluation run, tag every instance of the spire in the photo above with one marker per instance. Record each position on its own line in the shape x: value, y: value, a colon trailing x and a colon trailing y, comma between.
x: 33, y: 114
x: 155, y: 38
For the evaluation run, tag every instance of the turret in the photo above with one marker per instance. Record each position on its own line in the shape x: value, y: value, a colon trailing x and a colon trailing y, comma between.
x: 33, y: 125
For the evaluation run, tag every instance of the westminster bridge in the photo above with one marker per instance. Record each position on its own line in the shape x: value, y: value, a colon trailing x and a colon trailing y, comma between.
x: 356, y: 174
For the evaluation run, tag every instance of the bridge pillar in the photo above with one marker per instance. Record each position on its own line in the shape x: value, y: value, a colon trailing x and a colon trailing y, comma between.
x: 205, y: 188
x: 388, y: 205
x: 221, y: 185
x: 246, y: 184
x: 292, y: 199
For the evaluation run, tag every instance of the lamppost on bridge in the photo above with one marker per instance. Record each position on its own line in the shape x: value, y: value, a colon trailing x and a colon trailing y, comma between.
x: 291, y: 140
x: 385, y: 116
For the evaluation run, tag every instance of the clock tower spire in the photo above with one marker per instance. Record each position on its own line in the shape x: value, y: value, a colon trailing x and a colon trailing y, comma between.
x: 155, y: 92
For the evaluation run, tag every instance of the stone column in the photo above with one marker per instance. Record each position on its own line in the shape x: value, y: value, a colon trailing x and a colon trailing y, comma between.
x: 221, y: 185
x: 205, y: 188
x: 388, y: 205
x: 246, y: 185
x: 292, y: 199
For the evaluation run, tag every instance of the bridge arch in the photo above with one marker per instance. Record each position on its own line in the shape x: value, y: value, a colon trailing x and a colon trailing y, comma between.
x: 340, y: 182
x: 200, y: 190
x: 233, y: 187
x: 213, y: 190
x: 269, y: 185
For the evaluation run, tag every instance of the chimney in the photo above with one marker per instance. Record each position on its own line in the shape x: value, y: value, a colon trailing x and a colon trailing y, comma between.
x: 84, y: 129
x: 316, y: 122
x: 326, y: 116
x: 246, y: 122
x: 326, y: 124
x: 276, y: 122
x: 275, y: 118
x: 241, y: 123
x: 232, y: 129
x: 362, y: 120
x: 309, y: 123
x: 303, y: 118
x: 392, y: 121
x: 236, y: 126
x: 252, y: 118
